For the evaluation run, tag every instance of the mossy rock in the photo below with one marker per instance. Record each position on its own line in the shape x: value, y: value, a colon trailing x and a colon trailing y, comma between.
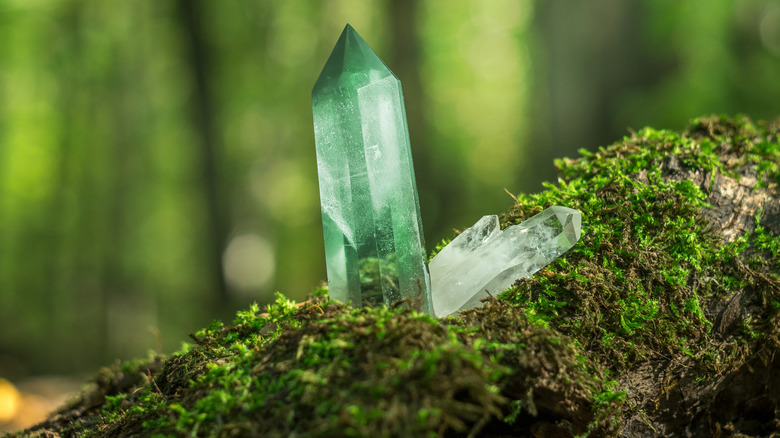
x: 661, y: 321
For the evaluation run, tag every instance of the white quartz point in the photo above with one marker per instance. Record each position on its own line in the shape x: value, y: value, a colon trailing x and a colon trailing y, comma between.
x: 485, y: 259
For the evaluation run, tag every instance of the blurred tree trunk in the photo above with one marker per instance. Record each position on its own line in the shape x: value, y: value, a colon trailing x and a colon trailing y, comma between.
x: 69, y: 243
x: 405, y: 61
x: 584, y: 73
x: 190, y: 15
x: 56, y: 266
x: 404, y: 43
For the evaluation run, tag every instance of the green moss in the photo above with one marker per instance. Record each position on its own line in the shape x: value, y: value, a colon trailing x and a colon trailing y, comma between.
x: 630, y: 285
x: 640, y: 284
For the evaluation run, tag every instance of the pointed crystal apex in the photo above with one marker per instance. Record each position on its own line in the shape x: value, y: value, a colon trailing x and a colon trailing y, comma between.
x: 352, y: 63
x: 571, y: 220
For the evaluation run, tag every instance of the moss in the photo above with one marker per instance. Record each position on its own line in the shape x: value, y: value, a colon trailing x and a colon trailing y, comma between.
x: 633, y: 286
x: 550, y: 356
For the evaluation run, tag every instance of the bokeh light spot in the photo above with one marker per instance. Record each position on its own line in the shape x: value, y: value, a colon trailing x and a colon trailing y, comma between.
x: 248, y: 263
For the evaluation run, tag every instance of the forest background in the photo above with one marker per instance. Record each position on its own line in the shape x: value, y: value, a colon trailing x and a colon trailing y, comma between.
x: 157, y: 164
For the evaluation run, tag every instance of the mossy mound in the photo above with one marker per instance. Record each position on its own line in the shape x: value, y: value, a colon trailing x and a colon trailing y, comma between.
x: 673, y: 288
x: 662, y: 321
x: 326, y: 369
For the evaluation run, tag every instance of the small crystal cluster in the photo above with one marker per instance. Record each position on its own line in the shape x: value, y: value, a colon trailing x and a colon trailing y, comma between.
x: 484, y: 259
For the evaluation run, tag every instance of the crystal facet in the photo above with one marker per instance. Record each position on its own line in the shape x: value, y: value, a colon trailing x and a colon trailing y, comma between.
x: 374, y: 247
x: 485, y: 259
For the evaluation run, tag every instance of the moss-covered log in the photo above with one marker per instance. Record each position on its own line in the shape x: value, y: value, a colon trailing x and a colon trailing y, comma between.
x: 662, y: 321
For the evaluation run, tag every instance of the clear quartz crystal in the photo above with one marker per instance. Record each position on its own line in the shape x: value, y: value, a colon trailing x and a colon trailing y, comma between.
x: 484, y: 259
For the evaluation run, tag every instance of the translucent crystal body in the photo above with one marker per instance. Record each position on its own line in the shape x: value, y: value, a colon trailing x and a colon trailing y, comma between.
x: 485, y: 259
x: 374, y: 247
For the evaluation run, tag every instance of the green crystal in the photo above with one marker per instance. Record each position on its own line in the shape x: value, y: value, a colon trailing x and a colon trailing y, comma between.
x: 374, y: 247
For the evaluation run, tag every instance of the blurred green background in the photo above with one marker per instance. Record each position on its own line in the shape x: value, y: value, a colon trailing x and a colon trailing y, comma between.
x: 157, y: 165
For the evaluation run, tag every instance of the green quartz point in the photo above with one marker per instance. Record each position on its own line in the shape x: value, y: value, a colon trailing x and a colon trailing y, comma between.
x: 374, y: 248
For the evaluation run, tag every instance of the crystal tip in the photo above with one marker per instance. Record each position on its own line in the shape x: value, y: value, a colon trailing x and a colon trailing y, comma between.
x: 571, y: 220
